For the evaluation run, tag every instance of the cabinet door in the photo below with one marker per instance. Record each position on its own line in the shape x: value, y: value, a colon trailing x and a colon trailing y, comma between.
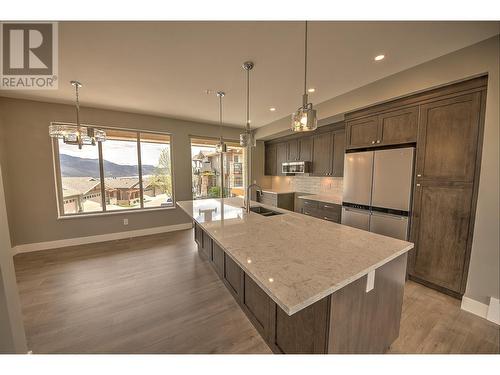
x: 338, y: 154
x: 322, y: 154
x: 305, y: 148
x: 362, y: 132
x: 198, y: 235
x: 398, y: 127
x: 256, y: 304
x: 281, y: 156
x: 304, y: 332
x: 270, y: 160
x: 447, y: 142
x: 207, y: 246
x: 218, y: 259
x: 293, y: 150
x: 233, y: 276
x: 440, y: 233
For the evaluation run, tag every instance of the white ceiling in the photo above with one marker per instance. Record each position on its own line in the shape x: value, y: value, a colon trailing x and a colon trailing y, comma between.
x: 164, y: 68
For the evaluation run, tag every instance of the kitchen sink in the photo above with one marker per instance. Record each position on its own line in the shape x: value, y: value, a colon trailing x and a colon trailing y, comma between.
x: 264, y: 211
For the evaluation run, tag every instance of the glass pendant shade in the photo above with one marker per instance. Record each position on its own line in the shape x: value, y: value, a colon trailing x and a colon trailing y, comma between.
x: 304, y: 119
x: 221, y: 147
x: 247, y: 139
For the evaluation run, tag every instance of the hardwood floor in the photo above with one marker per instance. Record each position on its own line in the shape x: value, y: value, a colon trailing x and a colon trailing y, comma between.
x: 156, y: 295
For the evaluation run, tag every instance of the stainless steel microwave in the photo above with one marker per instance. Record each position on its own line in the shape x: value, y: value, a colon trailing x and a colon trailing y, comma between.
x: 295, y: 167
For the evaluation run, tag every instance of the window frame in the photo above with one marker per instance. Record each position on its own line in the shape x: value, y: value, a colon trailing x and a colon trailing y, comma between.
x: 58, y: 177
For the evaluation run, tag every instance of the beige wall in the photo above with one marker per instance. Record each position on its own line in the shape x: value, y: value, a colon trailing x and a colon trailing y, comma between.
x: 484, y: 275
x: 26, y: 154
x: 12, y: 336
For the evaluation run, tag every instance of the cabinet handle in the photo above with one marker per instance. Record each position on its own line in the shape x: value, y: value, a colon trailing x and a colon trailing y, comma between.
x: 378, y: 140
x: 373, y: 142
x: 328, y: 219
x: 418, y: 185
x: 419, y: 175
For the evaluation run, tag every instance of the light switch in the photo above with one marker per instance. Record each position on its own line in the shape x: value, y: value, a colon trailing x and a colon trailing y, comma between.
x: 370, y: 281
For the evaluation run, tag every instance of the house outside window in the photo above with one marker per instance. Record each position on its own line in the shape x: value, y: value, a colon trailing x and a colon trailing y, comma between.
x: 131, y: 170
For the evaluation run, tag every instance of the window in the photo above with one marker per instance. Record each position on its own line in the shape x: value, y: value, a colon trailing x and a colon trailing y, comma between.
x: 206, y: 170
x: 130, y: 170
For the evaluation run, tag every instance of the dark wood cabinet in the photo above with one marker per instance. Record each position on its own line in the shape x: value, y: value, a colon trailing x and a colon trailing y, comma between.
x: 440, y: 232
x: 206, y: 247
x: 281, y: 156
x: 362, y: 132
x: 389, y: 128
x: 233, y: 276
x: 198, y: 235
x: 398, y: 127
x: 270, y: 160
x: 218, y: 259
x: 322, y: 210
x: 444, y: 202
x: 293, y: 150
x: 257, y: 305
x: 305, y: 148
x: 322, y: 154
x: 305, y: 332
x: 338, y: 154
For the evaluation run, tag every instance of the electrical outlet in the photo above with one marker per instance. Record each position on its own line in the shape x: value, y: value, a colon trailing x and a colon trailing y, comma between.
x: 125, y: 221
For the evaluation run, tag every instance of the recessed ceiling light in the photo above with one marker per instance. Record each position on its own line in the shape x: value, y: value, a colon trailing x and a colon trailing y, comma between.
x: 379, y: 57
x: 312, y: 89
x: 272, y: 109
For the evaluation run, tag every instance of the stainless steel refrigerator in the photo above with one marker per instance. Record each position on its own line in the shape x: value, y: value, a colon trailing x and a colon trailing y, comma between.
x: 377, y: 191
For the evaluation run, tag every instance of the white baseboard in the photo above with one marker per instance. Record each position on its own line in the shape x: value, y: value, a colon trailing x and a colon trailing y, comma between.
x: 26, y: 248
x: 490, y: 312
x: 494, y: 311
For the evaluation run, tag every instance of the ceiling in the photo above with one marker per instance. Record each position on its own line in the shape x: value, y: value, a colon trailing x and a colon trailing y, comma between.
x: 164, y: 68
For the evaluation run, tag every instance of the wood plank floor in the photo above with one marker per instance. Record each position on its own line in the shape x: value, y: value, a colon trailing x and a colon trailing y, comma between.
x: 155, y: 295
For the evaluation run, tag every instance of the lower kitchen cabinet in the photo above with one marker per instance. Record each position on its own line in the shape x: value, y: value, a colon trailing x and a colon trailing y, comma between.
x: 218, y: 259
x: 257, y: 305
x: 198, y: 234
x: 322, y: 210
x: 347, y: 321
x: 233, y: 276
x: 206, y: 247
x: 305, y: 332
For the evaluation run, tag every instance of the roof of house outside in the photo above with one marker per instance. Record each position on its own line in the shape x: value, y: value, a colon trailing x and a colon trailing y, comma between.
x: 78, y: 185
x: 122, y: 182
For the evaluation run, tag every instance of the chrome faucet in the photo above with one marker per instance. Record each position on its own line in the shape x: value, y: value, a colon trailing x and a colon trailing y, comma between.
x: 247, y: 201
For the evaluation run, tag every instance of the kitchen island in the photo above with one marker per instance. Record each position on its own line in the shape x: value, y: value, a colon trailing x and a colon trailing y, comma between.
x: 307, y: 285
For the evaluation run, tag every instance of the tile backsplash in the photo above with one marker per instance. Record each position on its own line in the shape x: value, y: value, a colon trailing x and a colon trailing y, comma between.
x: 306, y: 184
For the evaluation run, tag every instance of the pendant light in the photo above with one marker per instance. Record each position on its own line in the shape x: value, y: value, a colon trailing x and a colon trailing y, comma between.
x: 246, y: 138
x: 76, y: 134
x: 221, y: 146
x: 305, y: 119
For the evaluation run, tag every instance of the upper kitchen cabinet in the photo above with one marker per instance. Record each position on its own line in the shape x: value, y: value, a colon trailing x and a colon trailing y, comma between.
x: 281, y: 156
x: 305, y: 148
x: 362, y: 132
x: 293, y: 150
x: 270, y: 160
x: 322, y: 154
x: 328, y: 154
x: 388, y: 128
x: 398, y: 126
x: 448, y: 138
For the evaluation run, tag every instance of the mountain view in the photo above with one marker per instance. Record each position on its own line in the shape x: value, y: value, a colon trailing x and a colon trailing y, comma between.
x: 72, y: 166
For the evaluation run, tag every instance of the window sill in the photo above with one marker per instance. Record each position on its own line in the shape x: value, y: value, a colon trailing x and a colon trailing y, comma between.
x: 117, y: 212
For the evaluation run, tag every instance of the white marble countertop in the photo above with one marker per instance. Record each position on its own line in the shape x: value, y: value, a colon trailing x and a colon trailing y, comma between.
x: 276, y: 191
x: 323, y: 198
x: 296, y: 259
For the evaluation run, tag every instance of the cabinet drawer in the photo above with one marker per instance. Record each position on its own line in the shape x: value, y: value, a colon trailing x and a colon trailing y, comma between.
x: 310, y: 204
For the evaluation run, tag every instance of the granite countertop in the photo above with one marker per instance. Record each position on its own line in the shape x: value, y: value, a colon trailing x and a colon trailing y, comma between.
x: 296, y: 259
x: 323, y: 198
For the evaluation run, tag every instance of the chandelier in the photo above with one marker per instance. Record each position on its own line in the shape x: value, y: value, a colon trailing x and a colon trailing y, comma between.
x: 76, y: 134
